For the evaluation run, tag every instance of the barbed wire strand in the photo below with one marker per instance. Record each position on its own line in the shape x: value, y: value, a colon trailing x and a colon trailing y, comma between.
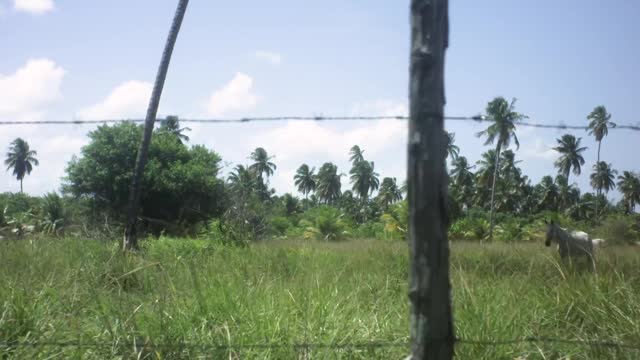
x: 475, y: 118
x: 192, y: 346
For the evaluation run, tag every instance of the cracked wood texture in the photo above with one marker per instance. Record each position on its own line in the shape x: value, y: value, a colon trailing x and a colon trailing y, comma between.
x: 429, y: 285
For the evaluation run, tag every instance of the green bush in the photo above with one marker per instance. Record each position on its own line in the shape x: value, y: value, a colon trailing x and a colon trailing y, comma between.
x: 279, y: 225
x: 369, y: 230
x: 619, y: 229
x: 513, y: 230
x: 396, y: 221
x: 324, y: 223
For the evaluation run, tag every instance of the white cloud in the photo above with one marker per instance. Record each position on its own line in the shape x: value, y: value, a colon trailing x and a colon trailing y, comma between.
x: 269, y: 56
x: 26, y: 92
x: 128, y: 100
x: 235, y: 96
x: 538, y: 150
x: 33, y: 6
x: 299, y: 142
x: 300, y: 138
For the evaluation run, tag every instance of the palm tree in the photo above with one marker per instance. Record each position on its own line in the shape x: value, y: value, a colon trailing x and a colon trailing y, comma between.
x: 131, y: 240
x: 305, y: 179
x: 364, y: 179
x: 390, y: 192
x: 356, y: 154
x: 328, y: 185
x: 462, y: 180
x: 629, y: 185
x: 262, y: 163
x: 570, y: 155
x: 171, y: 125
x: 242, y: 180
x: 291, y: 204
x: 484, y: 176
x: 21, y: 159
x: 566, y: 193
x: 602, y: 178
x: 452, y: 149
x: 460, y: 173
x: 549, y: 194
x: 502, y: 131
x: 599, y: 123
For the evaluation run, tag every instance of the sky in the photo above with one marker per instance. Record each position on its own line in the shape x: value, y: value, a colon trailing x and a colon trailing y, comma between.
x: 69, y: 60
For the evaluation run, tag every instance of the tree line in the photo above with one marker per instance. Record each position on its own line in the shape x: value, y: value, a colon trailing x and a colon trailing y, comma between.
x: 182, y: 184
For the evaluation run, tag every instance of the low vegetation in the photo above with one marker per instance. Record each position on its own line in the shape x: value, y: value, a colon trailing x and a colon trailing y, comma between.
x: 177, y: 292
x: 227, y: 263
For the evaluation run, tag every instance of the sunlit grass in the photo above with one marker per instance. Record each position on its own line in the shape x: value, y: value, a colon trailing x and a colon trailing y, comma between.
x: 178, y: 292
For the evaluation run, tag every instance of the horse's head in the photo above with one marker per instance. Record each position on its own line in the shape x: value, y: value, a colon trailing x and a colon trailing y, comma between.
x: 550, y: 232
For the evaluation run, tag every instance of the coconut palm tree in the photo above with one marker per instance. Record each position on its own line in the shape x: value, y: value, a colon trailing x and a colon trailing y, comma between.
x: 501, y: 132
x: 356, y: 154
x: 602, y: 178
x: 305, y: 179
x: 452, y: 149
x: 462, y: 180
x: 484, y: 177
x: 629, y: 186
x: 389, y: 193
x: 570, y: 155
x: 262, y: 163
x: 599, y: 123
x: 566, y: 193
x: 242, y: 180
x: 20, y: 159
x: 364, y: 179
x: 549, y: 194
x: 328, y: 185
x: 131, y: 240
x: 171, y: 125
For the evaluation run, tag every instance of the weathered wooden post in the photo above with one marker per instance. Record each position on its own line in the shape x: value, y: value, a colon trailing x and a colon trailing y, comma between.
x: 429, y: 288
x: 130, y: 238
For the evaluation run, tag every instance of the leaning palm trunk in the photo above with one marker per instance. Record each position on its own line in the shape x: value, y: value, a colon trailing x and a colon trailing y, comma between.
x: 598, y: 189
x: 493, y: 189
x: 131, y: 240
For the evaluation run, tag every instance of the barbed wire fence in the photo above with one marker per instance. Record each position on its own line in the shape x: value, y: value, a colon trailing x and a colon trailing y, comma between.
x: 306, y: 346
x: 425, y: 117
x: 316, y: 346
x: 474, y: 118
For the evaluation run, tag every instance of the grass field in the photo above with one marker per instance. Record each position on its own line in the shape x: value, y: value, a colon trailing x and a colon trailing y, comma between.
x: 179, y: 291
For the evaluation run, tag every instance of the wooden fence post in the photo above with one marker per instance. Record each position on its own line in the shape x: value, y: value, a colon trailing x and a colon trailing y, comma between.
x: 429, y: 288
x: 130, y: 240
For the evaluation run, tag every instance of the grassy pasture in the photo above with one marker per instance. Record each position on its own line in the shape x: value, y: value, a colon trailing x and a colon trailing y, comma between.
x: 179, y: 291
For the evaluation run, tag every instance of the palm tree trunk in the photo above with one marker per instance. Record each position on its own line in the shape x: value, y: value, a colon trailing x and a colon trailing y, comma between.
x: 131, y: 240
x: 493, y: 189
x: 20, y: 186
x: 598, y: 189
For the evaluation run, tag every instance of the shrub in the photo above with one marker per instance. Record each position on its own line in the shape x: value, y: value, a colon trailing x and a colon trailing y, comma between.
x: 396, y: 220
x: 279, y: 225
x: 369, y: 230
x: 478, y: 229
x: 513, y: 230
x: 324, y: 223
x: 218, y: 231
x: 53, y: 215
x: 619, y: 229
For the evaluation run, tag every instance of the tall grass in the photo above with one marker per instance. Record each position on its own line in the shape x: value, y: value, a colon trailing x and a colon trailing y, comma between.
x: 179, y: 291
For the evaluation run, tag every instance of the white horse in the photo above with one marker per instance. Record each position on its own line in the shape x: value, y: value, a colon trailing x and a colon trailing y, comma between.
x: 572, y: 244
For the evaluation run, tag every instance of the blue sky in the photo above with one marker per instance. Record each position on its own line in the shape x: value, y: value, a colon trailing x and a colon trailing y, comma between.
x: 67, y: 60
